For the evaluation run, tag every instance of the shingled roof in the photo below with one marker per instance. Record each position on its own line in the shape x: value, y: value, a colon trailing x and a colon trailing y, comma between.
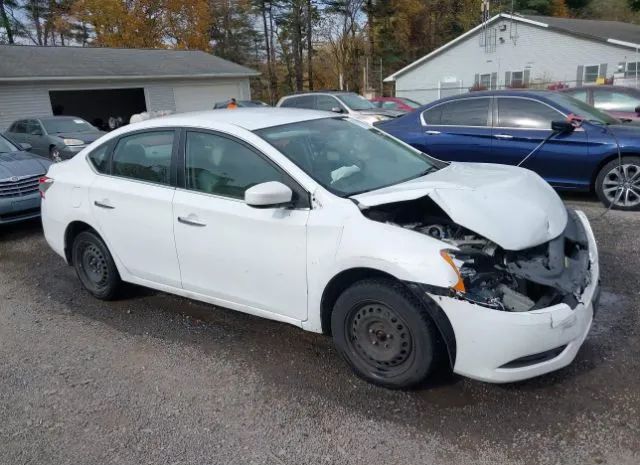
x: 603, y: 30
x: 22, y: 62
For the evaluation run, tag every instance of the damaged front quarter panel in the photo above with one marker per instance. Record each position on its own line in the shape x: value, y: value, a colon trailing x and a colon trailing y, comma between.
x: 554, y: 272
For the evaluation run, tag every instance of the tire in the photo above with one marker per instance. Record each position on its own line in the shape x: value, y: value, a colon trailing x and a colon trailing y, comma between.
x: 95, y: 266
x: 54, y: 154
x: 384, y: 333
x: 623, y: 185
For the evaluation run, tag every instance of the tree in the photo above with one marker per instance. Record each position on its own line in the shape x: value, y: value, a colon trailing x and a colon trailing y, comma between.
x: 6, y: 21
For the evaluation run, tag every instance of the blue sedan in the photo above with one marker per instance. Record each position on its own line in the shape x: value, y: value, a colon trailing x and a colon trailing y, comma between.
x: 506, y: 126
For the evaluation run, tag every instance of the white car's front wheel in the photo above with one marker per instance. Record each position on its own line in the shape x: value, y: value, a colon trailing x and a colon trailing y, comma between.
x: 384, y: 333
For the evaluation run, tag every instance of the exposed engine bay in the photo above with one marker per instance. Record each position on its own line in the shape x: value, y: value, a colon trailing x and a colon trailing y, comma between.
x: 516, y: 281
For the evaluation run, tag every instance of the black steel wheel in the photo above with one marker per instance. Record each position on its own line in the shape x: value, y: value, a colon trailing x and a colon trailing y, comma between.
x: 94, y: 266
x: 384, y: 333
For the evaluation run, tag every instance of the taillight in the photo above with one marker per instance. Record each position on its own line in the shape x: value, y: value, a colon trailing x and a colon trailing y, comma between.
x: 44, y: 183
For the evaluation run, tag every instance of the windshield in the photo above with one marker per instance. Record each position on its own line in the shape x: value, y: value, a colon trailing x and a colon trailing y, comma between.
x: 410, y: 103
x: 60, y: 125
x: 7, y: 146
x: 348, y: 157
x: 355, y: 101
x: 583, y: 110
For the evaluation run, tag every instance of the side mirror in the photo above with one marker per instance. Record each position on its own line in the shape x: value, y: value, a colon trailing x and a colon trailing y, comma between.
x: 637, y: 109
x: 25, y: 146
x: 272, y: 194
x: 562, y: 127
x: 337, y: 110
x: 36, y: 132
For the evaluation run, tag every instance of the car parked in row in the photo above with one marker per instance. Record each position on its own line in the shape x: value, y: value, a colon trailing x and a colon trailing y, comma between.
x: 345, y: 103
x: 395, y: 103
x: 56, y: 137
x: 506, y: 126
x: 334, y: 226
x: 20, y: 172
x: 620, y: 102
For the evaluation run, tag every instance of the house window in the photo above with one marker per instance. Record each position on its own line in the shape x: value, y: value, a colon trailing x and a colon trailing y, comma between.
x: 630, y: 69
x: 517, y: 78
x: 591, y: 73
x: 485, y: 81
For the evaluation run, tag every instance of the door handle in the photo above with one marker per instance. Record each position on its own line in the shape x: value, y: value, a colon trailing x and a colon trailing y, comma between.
x: 190, y: 221
x: 432, y: 133
x: 103, y: 205
x: 503, y: 136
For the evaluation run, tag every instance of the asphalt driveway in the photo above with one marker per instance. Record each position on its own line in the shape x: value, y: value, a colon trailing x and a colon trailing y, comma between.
x: 159, y: 379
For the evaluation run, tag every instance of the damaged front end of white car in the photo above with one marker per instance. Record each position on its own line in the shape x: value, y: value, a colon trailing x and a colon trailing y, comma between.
x: 527, y: 267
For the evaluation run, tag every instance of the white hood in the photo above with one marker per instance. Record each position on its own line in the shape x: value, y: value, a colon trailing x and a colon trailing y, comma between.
x: 513, y: 207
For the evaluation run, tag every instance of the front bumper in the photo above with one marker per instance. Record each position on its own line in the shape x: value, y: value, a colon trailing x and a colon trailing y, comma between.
x: 19, y: 208
x: 500, y: 347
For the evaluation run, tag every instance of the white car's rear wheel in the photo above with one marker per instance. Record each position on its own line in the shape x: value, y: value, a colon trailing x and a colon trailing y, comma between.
x: 95, y: 266
x: 384, y: 333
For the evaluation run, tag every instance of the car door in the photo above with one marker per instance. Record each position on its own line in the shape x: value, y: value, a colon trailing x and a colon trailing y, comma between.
x: 132, y: 205
x: 229, y: 251
x: 36, y: 137
x: 522, y: 123
x: 457, y: 130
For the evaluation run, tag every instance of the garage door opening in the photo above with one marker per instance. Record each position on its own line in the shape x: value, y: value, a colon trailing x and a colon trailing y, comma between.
x: 98, y: 106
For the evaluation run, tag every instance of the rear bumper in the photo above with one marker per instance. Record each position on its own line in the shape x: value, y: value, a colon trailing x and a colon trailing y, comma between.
x: 19, y: 208
x: 500, y: 347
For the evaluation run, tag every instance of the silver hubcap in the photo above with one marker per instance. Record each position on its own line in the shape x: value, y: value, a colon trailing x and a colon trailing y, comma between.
x: 621, y: 185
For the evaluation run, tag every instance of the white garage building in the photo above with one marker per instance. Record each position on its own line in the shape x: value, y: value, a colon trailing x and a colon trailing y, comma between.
x: 99, y: 83
x: 511, y: 51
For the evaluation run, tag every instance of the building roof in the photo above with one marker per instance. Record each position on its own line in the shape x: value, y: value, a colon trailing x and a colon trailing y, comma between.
x: 612, y: 32
x: 28, y: 63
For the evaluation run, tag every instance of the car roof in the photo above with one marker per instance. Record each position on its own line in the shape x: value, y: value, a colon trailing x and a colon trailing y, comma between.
x: 601, y: 86
x: 250, y: 118
x: 499, y: 93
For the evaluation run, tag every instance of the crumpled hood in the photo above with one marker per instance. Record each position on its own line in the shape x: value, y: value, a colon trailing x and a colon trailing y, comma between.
x: 22, y: 164
x: 86, y: 137
x: 511, y: 206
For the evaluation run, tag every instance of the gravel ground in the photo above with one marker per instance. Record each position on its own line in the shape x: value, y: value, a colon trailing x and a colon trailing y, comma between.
x: 154, y: 378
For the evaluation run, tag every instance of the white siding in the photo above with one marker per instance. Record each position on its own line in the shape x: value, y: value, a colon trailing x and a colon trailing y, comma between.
x: 202, y: 96
x: 159, y: 97
x: 551, y: 56
x: 32, y: 99
x: 22, y: 101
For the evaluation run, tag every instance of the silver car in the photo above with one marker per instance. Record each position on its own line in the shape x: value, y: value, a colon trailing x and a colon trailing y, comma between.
x: 20, y: 172
x: 56, y: 137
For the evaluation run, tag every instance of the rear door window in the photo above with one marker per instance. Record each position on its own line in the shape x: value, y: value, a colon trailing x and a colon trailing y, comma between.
x: 525, y: 114
x: 145, y: 156
x: 99, y: 158
x: 20, y: 127
x: 465, y: 112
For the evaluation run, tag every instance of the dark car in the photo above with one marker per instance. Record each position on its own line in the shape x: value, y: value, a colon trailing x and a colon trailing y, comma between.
x: 56, y: 137
x: 395, y: 103
x: 20, y: 172
x: 506, y: 126
x: 619, y: 101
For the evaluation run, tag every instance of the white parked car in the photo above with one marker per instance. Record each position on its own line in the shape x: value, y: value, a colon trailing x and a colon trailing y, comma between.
x: 329, y: 224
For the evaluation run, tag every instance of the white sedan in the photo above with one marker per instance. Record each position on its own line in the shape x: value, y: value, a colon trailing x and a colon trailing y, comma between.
x: 329, y: 224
